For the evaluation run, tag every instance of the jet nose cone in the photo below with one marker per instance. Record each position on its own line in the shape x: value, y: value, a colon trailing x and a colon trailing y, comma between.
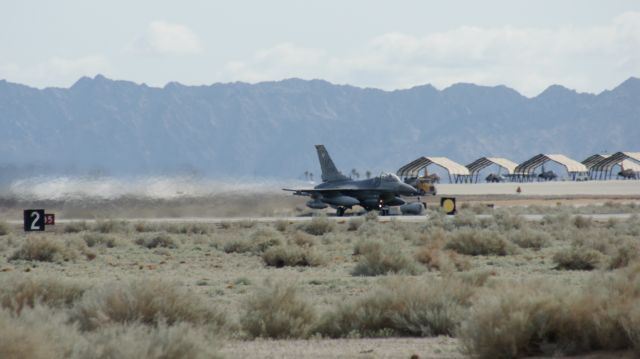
x: 407, y: 190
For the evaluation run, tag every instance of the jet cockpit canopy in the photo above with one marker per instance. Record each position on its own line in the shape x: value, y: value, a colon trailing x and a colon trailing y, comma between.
x: 389, y: 177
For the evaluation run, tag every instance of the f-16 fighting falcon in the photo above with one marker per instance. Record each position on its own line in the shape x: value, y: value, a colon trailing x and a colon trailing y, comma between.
x: 341, y: 192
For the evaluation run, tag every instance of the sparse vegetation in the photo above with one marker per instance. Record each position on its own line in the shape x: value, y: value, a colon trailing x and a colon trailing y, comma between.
x: 44, y: 250
x: 379, y: 258
x: 99, y: 239
x: 291, y: 256
x: 76, y: 227
x: 157, y: 240
x: 18, y: 291
x: 401, y: 307
x: 277, y: 311
x: 318, y: 226
x: 4, y: 228
x: 148, y: 302
x: 491, y: 283
x: 550, y: 319
x: 479, y: 243
x: 577, y: 258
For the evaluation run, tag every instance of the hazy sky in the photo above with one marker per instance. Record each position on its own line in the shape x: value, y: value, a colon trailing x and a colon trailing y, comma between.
x: 527, y: 45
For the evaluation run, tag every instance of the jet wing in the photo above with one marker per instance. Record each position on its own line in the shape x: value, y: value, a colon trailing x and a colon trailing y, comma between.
x: 310, y: 191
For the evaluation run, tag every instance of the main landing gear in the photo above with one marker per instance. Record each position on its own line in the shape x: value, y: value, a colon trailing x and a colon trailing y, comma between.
x: 340, y: 211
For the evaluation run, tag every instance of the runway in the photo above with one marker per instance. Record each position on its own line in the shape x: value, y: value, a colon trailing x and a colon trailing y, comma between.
x: 403, y: 219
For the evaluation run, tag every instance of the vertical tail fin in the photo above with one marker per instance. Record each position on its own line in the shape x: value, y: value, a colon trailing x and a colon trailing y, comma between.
x: 329, y: 171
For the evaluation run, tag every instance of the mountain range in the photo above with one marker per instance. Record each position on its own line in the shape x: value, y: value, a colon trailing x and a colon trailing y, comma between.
x: 268, y: 129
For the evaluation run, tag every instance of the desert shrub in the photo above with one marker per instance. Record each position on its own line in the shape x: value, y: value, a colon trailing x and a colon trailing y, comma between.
x: 143, y: 227
x: 530, y: 238
x: 435, y: 258
x: 110, y: 226
x: 371, y: 216
x: 99, y: 239
x: 577, y: 258
x: 281, y: 225
x: 582, y: 222
x: 138, y: 341
x: 291, y: 256
x: 20, y: 291
x: 379, y: 258
x: 560, y: 220
x: 259, y: 241
x: 38, y: 333
x: 318, y: 226
x: 4, y: 228
x: 624, y: 255
x: 303, y: 239
x: 148, y: 302
x: 476, y: 242
x: 401, y: 307
x: 277, y: 311
x: 354, y: 223
x: 157, y: 240
x: 186, y: 228
x: 75, y: 227
x: 465, y: 218
x: 514, y: 320
x: 43, y: 249
x: 506, y: 220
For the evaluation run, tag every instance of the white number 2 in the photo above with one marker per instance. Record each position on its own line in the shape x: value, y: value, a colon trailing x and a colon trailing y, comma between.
x: 33, y: 223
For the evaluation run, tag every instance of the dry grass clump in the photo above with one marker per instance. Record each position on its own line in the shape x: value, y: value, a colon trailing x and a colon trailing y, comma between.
x: 277, y: 311
x: 533, y: 319
x: 148, y: 302
x: 76, y: 227
x: 436, y: 258
x: 43, y: 249
x: 38, y: 333
x: 138, y: 341
x: 402, y: 307
x: 303, y: 239
x: 482, y: 242
x: 291, y: 256
x: 506, y: 220
x: 4, y: 228
x: 624, y: 255
x: 354, y: 223
x: 530, y: 238
x: 380, y: 258
x: 259, y: 241
x: 143, y: 227
x: 318, y: 226
x: 465, y: 218
x: 43, y: 333
x: 158, y: 240
x: 111, y: 226
x: 18, y: 291
x: 186, y: 228
x: 582, y: 222
x: 281, y: 225
x: 99, y: 239
x: 577, y: 258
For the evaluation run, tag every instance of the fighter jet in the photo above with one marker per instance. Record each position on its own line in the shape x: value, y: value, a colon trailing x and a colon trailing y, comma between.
x: 341, y: 192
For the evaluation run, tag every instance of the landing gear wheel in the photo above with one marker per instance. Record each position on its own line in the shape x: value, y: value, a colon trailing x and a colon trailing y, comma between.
x: 340, y: 211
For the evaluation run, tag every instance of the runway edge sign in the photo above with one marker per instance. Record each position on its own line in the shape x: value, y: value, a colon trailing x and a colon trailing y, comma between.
x: 36, y: 220
x: 448, y: 204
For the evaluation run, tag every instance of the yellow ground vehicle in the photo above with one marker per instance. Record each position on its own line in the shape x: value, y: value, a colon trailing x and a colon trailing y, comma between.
x: 424, y: 184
